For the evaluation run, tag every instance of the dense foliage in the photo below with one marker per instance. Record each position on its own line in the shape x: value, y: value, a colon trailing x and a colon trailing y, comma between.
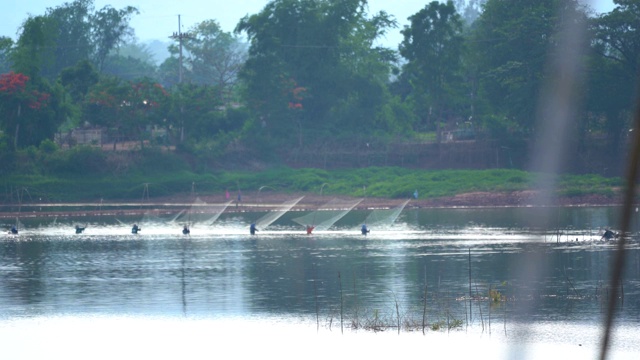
x: 88, y: 174
x: 313, y: 76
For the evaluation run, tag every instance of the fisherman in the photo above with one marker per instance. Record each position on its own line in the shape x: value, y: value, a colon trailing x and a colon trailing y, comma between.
x: 310, y: 229
x: 364, y: 229
x: 79, y: 229
x: 14, y: 230
x: 135, y: 229
x: 185, y: 230
x: 252, y: 229
x: 608, y: 235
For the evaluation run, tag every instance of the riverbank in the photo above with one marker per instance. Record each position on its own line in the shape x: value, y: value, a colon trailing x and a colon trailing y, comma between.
x: 270, y: 201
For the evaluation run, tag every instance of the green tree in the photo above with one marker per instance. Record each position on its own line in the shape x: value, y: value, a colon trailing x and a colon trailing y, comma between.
x: 6, y: 45
x: 130, y: 61
x: 128, y: 67
x: 168, y: 73
x: 68, y: 34
x: 34, y: 47
x: 128, y: 108
x: 42, y: 106
x: 110, y: 29
x: 204, y: 124
x: 433, y: 46
x: 323, y: 50
x: 31, y: 111
x: 77, y: 80
x: 512, y: 41
x: 616, y: 68
x: 147, y: 106
x: 71, y: 28
x: 213, y: 57
x: 197, y: 111
x: 104, y: 106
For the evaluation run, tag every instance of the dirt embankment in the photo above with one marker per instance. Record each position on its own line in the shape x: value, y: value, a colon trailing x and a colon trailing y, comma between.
x: 518, y: 199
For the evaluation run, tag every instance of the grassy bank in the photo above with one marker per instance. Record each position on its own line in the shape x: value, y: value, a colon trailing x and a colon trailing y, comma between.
x: 381, y: 182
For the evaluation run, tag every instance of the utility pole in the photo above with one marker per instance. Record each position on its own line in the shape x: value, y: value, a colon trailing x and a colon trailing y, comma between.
x: 180, y: 37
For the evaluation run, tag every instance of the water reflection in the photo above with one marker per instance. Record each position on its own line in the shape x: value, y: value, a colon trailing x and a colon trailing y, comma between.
x: 470, y: 273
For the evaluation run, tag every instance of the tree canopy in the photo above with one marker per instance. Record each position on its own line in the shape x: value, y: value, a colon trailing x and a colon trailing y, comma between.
x: 313, y: 66
x: 312, y: 77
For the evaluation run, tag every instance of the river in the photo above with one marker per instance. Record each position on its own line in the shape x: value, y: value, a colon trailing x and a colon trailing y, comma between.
x: 495, y: 285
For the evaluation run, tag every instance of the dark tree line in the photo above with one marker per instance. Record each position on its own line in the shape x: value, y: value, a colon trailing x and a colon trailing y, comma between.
x: 313, y: 76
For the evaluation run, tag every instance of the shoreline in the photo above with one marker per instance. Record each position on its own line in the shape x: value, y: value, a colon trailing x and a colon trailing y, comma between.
x: 272, y: 201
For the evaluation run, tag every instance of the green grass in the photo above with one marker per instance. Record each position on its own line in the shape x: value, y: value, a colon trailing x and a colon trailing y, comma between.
x: 382, y: 182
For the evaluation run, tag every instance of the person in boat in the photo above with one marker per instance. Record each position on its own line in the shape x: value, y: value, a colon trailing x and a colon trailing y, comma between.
x: 185, y: 230
x: 364, y: 229
x: 253, y: 229
x: 14, y: 230
x: 135, y: 229
x: 310, y: 229
x: 609, y: 235
x: 80, y: 230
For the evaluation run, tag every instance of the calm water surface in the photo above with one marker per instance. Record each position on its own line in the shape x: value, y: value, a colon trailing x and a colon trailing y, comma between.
x: 160, y: 294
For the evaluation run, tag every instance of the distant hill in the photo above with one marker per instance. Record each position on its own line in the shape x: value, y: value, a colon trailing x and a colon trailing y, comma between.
x: 158, y: 49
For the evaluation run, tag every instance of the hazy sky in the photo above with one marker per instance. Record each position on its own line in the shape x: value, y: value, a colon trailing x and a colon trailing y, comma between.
x: 158, y: 19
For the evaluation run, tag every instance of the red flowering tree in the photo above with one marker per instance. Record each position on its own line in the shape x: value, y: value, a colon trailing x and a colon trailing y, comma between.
x: 23, y: 109
x: 127, y: 108
x: 295, y: 94
x: 149, y: 104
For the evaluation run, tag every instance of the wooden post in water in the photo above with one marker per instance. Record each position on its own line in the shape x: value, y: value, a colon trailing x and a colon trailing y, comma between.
x: 424, y: 309
x: 490, y: 304
x: 480, y: 309
x: 355, y: 294
x: 315, y: 294
x: 470, y: 294
x: 505, y: 312
x: 397, y: 313
x: 341, y: 303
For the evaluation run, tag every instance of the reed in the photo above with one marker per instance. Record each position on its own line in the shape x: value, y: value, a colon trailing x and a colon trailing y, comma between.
x: 341, y: 304
x: 480, y: 309
x: 397, y: 312
x: 470, y: 294
x: 489, y: 311
x: 355, y: 294
x: 424, y: 307
x: 315, y: 295
x: 505, y: 317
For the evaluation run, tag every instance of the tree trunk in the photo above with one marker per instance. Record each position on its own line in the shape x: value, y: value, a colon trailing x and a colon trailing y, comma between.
x: 15, y: 137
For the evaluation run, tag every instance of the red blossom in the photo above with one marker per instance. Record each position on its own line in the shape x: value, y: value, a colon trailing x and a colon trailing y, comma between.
x: 38, y: 100
x: 103, y: 98
x: 295, y: 93
x: 159, y: 86
x: 298, y: 92
x: 12, y: 82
